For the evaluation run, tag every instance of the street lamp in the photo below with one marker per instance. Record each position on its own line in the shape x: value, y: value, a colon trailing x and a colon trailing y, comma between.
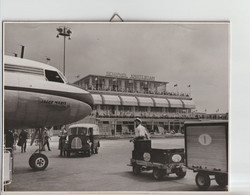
x: 65, y: 32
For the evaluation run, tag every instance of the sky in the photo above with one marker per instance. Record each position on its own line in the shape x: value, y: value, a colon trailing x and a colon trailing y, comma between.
x: 195, y: 54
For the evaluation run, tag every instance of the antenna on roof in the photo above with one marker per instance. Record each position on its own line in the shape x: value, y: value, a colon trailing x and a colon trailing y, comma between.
x: 47, y: 59
x: 22, y: 50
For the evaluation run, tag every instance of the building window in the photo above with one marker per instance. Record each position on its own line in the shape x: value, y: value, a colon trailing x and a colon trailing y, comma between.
x: 156, y: 109
x: 125, y: 108
x: 141, y: 109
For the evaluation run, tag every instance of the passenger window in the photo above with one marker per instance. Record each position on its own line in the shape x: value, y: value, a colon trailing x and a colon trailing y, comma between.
x: 53, y: 76
x: 82, y: 131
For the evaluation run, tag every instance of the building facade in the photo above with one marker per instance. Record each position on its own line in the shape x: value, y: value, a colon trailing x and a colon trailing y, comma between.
x: 118, y: 99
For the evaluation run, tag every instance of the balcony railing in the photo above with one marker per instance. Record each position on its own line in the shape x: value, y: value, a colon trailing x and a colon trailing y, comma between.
x: 146, y: 94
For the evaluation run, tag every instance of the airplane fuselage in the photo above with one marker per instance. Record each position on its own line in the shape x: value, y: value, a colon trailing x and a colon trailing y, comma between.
x: 37, y: 95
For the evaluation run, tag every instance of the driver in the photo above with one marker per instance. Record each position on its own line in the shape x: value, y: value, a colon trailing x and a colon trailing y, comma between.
x: 140, y: 131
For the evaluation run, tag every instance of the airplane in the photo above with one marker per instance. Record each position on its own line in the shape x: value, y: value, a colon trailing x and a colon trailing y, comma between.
x: 37, y: 95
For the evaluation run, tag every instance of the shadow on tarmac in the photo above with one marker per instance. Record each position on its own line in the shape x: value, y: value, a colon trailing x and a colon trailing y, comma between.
x: 145, y: 176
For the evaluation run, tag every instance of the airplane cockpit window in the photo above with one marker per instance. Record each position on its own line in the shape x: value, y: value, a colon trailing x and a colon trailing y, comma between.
x: 53, y: 76
x: 63, y: 77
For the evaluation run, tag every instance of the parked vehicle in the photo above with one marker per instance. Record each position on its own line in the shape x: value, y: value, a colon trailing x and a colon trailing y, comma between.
x: 161, y: 161
x: 206, y: 151
x: 8, y: 166
x: 82, y: 139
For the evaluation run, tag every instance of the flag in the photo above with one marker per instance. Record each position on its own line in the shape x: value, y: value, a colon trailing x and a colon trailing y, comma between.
x: 189, y: 85
x: 175, y: 85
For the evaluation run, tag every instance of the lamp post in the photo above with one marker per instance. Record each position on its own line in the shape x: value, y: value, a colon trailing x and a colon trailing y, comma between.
x: 65, y: 32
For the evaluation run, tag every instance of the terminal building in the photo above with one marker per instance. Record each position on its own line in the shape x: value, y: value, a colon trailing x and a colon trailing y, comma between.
x: 118, y: 99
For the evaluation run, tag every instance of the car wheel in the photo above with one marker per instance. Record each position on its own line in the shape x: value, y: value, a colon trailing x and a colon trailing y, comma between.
x: 180, y: 173
x: 158, y: 173
x: 136, y: 169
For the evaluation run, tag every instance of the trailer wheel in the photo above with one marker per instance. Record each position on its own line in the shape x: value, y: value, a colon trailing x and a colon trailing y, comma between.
x: 136, y: 169
x: 180, y: 173
x: 221, y: 179
x: 158, y: 173
x: 202, y: 180
x: 38, y: 161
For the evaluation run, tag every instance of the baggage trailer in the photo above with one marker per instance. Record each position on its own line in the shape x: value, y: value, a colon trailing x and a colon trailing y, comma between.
x: 161, y: 161
x: 206, y: 151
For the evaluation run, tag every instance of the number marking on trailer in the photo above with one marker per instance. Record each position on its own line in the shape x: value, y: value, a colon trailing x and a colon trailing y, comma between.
x: 205, y: 139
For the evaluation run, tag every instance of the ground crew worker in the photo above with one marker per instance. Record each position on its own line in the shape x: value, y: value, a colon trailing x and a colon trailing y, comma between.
x: 140, y: 131
x: 91, y: 139
x: 9, y: 139
x: 62, y: 140
x: 46, y: 139
x: 23, y: 140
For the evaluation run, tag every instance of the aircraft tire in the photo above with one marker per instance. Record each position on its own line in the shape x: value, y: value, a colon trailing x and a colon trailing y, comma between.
x: 31, y: 161
x: 38, y: 161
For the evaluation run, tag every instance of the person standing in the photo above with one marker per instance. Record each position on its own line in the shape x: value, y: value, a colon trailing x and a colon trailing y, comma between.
x: 23, y: 140
x: 91, y: 139
x: 62, y: 140
x: 140, y: 131
x: 9, y: 139
x: 15, y: 134
x: 46, y: 139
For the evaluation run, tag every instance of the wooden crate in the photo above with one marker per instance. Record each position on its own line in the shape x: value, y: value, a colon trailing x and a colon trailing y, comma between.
x: 206, y: 145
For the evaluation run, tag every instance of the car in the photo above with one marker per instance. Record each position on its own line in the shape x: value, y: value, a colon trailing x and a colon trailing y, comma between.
x: 82, y: 138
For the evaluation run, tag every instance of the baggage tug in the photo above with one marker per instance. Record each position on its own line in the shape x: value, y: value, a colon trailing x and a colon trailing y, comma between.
x: 162, y: 161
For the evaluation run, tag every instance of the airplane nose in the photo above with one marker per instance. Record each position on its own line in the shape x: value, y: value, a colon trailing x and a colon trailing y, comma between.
x: 88, y: 99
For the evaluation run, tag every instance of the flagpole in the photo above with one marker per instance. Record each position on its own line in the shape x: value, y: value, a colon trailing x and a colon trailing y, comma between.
x: 189, y: 86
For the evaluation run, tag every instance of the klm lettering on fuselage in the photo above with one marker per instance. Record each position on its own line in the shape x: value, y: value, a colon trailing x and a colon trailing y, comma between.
x: 51, y: 102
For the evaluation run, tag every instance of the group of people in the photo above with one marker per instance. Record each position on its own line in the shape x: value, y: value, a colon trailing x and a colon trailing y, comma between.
x: 12, y: 138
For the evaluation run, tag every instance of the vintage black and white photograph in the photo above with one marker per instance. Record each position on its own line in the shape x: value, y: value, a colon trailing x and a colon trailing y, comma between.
x: 115, y: 106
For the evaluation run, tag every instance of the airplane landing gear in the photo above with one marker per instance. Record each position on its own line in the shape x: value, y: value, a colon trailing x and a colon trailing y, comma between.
x: 38, y: 161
